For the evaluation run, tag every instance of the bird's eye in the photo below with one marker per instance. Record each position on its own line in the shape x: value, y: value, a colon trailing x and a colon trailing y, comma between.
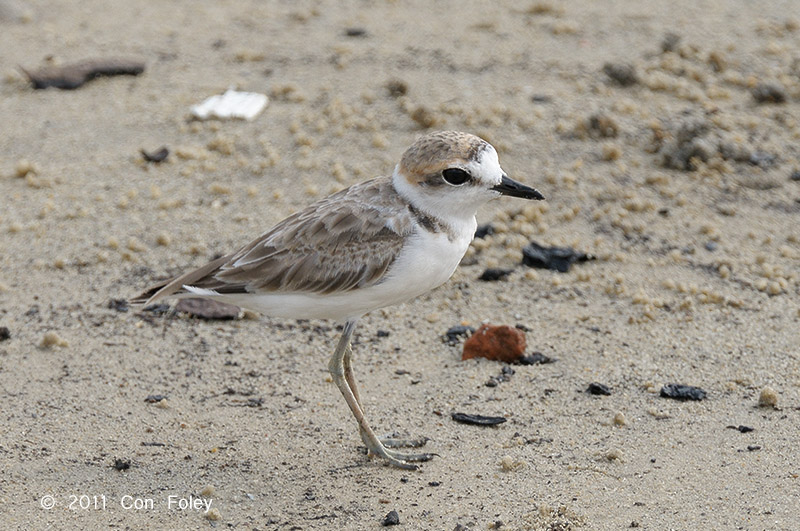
x: 455, y: 176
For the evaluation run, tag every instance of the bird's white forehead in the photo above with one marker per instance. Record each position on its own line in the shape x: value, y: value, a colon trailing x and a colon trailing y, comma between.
x: 486, y: 167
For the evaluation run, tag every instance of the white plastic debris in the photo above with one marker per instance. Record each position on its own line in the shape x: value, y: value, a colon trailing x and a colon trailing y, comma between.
x: 232, y: 104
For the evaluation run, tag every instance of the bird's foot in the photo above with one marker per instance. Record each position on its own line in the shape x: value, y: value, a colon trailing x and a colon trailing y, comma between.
x: 384, y: 446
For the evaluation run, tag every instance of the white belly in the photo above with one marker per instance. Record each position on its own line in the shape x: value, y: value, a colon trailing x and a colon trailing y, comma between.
x: 426, y: 262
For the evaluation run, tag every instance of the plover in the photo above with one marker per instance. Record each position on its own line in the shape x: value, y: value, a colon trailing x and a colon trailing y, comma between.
x: 377, y: 243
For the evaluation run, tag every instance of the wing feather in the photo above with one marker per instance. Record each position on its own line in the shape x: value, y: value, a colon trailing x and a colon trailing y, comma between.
x: 342, y: 242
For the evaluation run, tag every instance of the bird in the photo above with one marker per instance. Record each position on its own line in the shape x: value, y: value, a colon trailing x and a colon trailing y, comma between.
x: 377, y: 243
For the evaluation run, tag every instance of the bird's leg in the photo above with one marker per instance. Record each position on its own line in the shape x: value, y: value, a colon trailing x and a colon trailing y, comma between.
x: 336, y: 366
x: 389, y: 441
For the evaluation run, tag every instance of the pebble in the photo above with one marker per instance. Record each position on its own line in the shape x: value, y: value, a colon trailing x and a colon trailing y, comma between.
x: 5, y: 333
x: 619, y: 419
x: 504, y: 343
x: 598, y: 389
x: 52, y: 339
x: 454, y: 333
x: 477, y: 420
x: 391, y: 518
x: 493, y: 274
x: 555, y: 258
x: 767, y: 92
x: 208, y: 491
x: 622, y: 73
x: 682, y: 392
x: 768, y: 398
x: 214, y: 515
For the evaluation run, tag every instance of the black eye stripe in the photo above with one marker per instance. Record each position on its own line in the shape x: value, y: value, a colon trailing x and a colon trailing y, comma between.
x: 455, y: 176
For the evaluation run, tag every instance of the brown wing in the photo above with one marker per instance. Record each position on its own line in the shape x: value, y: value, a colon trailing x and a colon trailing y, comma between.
x: 345, y: 241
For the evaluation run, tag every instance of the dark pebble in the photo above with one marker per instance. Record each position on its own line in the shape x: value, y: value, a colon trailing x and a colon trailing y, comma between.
x: 397, y: 88
x: 5, y: 333
x: 383, y: 333
x: 795, y: 175
x: 711, y: 246
x: 455, y: 333
x: 207, y: 309
x: 541, y: 98
x: 434, y: 483
x: 598, y: 389
x: 122, y: 464
x: 622, y: 73
x: 537, y: 358
x: 769, y: 93
x: 493, y: 274
x: 391, y: 518
x: 160, y: 155
x: 555, y: 258
x: 670, y: 42
x: 152, y: 399
x: 355, y: 32
x: 477, y: 420
x: 120, y: 305
x: 682, y: 392
x: 484, y: 230
x: 741, y: 429
x: 753, y: 448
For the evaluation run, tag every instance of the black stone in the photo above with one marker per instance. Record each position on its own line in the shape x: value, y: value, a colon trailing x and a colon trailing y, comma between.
x: 622, y: 73
x: 152, y: 399
x: 537, y: 358
x: 484, y: 230
x: 5, y: 333
x: 160, y: 155
x: 556, y: 258
x: 454, y: 333
x: 598, y: 389
x: 391, y: 518
x: 477, y: 420
x: 493, y: 274
x: 682, y: 392
x: 122, y: 464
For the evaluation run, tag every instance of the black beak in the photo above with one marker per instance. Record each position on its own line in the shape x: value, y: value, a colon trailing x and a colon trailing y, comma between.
x: 514, y: 189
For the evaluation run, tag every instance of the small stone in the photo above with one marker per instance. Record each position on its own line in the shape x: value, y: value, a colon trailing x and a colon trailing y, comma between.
x: 682, y: 392
x: 767, y: 92
x: 397, y: 88
x: 477, y: 420
x: 598, y: 389
x: 670, y: 42
x: 622, y: 73
x: 5, y: 333
x: 768, y: 398
x: 794, y: 176
x: 153, y: 399
x: 503, y: 343
x: 536, y: 358
x: 163, y: 239
x: 488, y: 229
x: 214, y: 515
x: 355, y: 32
x: 208, y: 491
x: 454, y: 333
x: 555, y: 258
x: 493, y: 274
x: 391, y: 518
x: 162, y: 404
x: 122, y: 464
x: 52, y: 339
x: 160, y: 155
x: 620, y: 420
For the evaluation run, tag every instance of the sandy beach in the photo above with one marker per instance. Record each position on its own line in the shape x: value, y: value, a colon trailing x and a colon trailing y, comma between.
x: 665, y: 136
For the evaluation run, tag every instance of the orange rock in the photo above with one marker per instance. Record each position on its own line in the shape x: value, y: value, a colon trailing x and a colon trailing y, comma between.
x: 503, y: 343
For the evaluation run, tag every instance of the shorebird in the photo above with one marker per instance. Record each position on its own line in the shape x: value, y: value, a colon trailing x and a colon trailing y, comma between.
x: 377, y: 243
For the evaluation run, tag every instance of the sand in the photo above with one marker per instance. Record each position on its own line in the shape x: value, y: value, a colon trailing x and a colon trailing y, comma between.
x: 684, y: 185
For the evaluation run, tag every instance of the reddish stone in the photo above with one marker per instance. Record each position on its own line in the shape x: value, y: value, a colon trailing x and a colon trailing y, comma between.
x: 503, y: 343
